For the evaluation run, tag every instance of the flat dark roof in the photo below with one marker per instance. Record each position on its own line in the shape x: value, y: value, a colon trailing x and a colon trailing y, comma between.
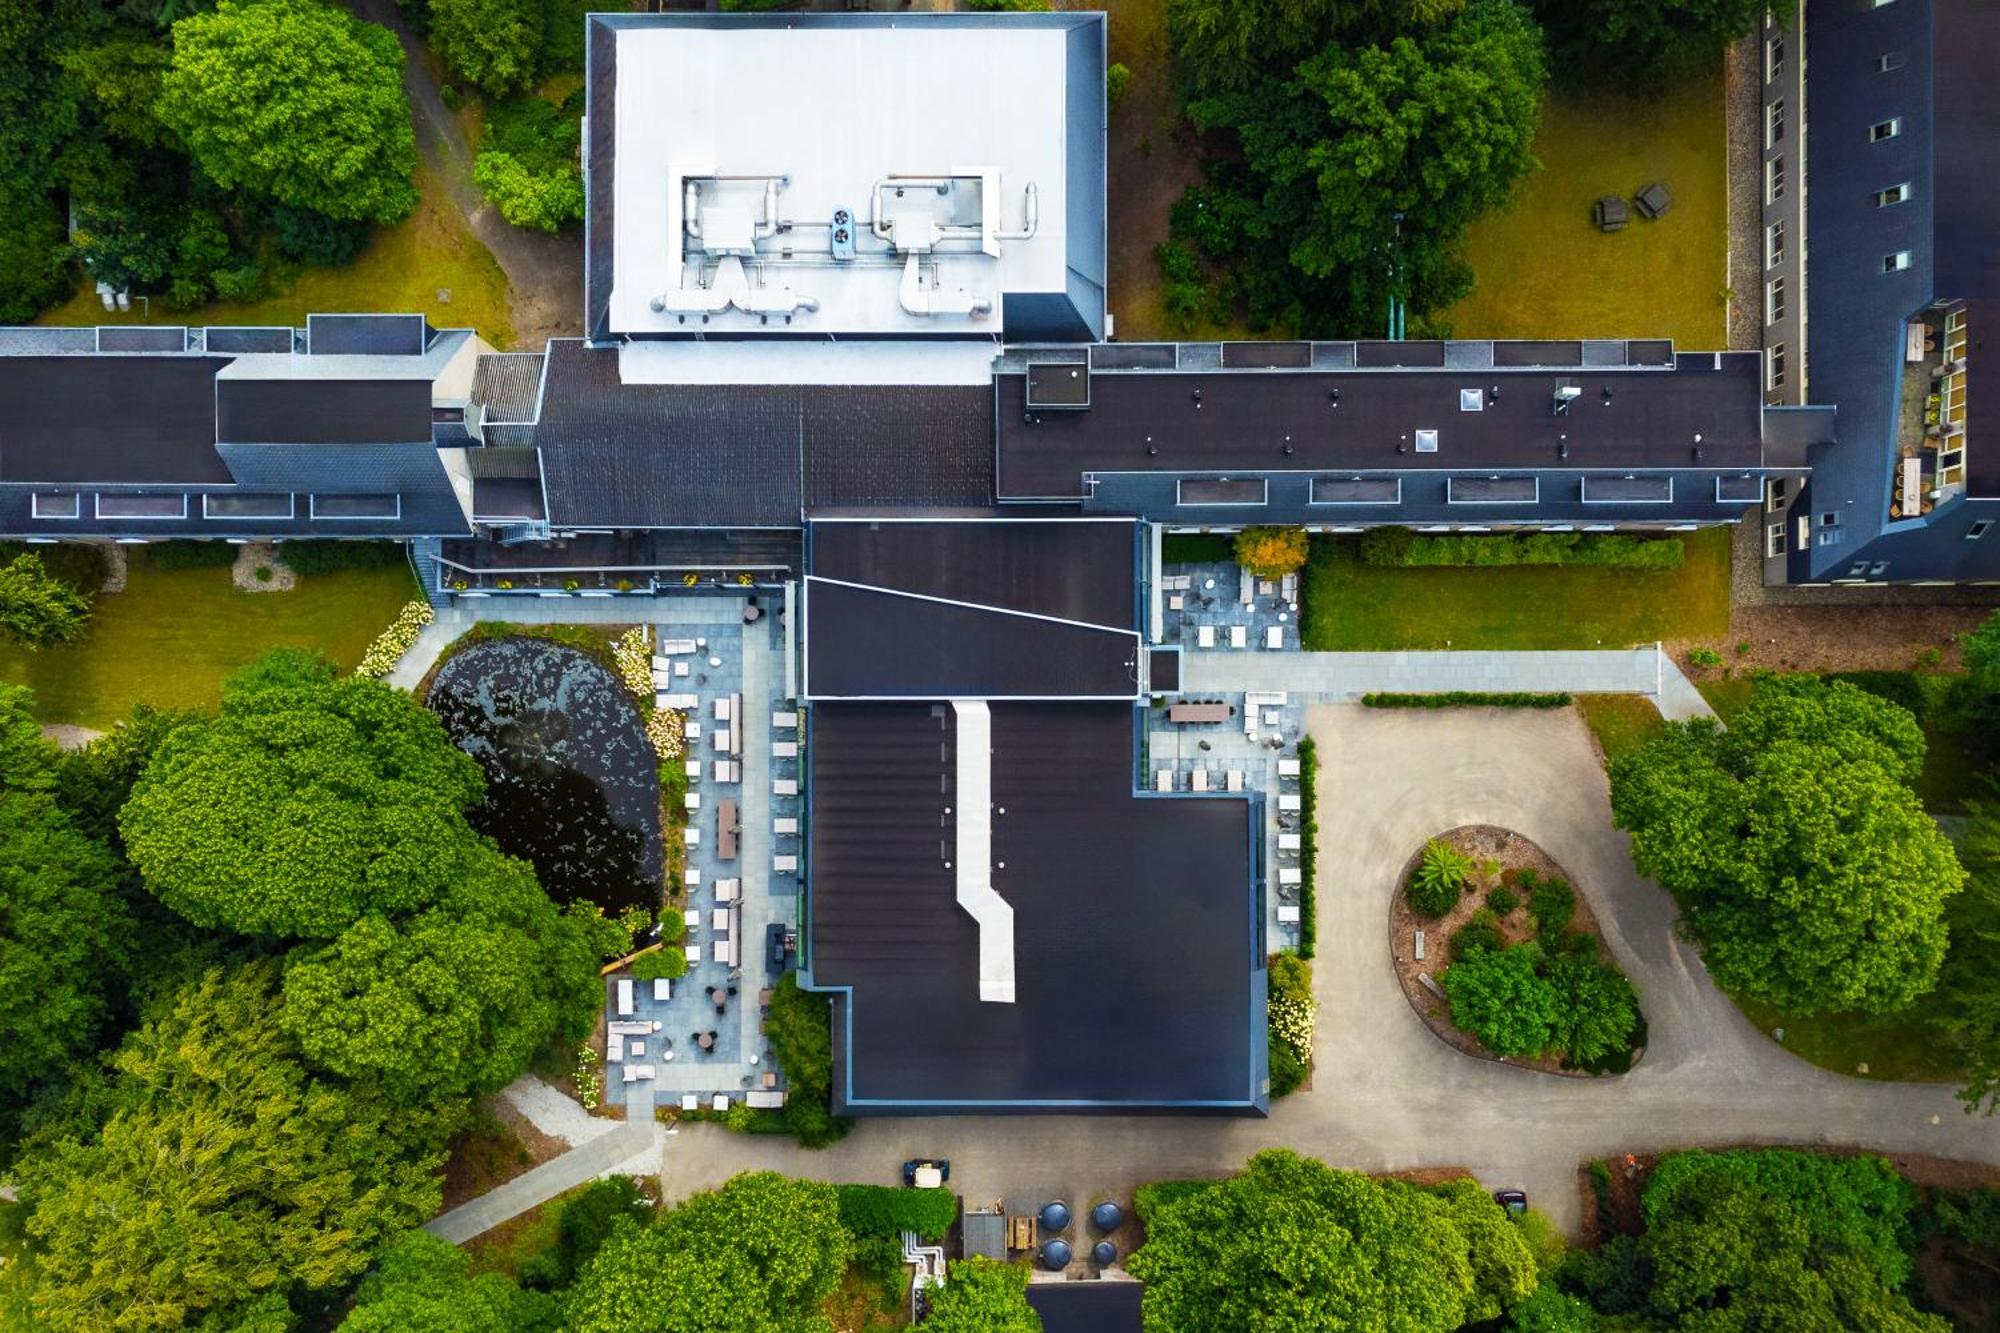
x: 1966, y: 44
x: 367, y: 335
x: 1069, y: 568
x: 323, y: 411
x: 1087, y: 1307
x: 125, y: 419
x: 1243, y: 421
x: 871, y: 643
x: 1138, y: 976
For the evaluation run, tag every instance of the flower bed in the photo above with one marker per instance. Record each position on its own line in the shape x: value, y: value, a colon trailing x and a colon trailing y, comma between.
x: 393, y: 642
x: 1536, y: 981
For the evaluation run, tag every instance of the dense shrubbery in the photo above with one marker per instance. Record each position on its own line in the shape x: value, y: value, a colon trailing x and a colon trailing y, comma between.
x: 1271, y: 553
x: 38, y: 610
x: 800, y: 1027
x: 1290, y: 1022
x: 1401, y: 548
x: 79, y: 564
x: 317, y: 556
x: 393, y: 642
x: 879, y: 1210
x: 1439, y: 879
x: 1466, y: 699
x: 528, y: 164
x: 1308, y: 752
x: 190, y: 554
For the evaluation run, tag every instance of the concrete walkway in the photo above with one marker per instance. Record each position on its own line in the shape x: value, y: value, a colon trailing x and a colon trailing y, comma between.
x: 622, y: 1148
x: 1387, y: 1095
x: 1646, y: 671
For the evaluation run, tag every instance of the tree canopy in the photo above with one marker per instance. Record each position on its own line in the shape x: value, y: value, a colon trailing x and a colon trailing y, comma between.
x: 420, y: 1286
x: 297, y: 100
x: 759, y: 1255
x: 38, y: 610
x: 1651, y: 39
x: 211, y: 1170
x: 492, y: 44
x: 1804, y: 863
x: 983, y: 1296
x: 308, y: 803
x: 1969, y: 982
x: 1361, y: 162
x: 1294, y: 1243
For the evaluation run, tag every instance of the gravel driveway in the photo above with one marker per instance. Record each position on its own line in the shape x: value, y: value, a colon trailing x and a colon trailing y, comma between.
x: 1388, y: 1095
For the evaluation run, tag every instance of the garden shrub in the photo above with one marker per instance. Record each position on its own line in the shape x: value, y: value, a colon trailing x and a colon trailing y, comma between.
x: 393, y: 642
x: 1898, y: 687
x: 1503, y: 900
x: 1401, y: 548
x: 1598, y: 1010
x: 879, y: 1210
x: 587, y: 1221
x: 79, y: 564
x: 667, y: 962
x: 330, y: 556
x: 800, y: 1029
x: 1704, y: 657
x: 1439, y: 879
x: 1552, y: 903
x: 1149, y: 1200
x: 1271, y: 553
x: 1308, y: 847
x: 1117, y: 79
x: 1481, y: 931
x: 184, y: 554
x: 1500, y: 997
x: 1290, y: 1021
x: 1465, y: 699
x: 1288, y: 1071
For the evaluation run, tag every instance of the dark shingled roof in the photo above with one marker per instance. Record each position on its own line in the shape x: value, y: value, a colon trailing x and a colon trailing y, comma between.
x: 323, y: 411
x: 1131, y: 910
x: 867, y: 643
x: 1068, y: 568
x: 367, y: 335
x: 109, y: 419
x: 750, y: 455
x: 1244, y: 420
x: 507, y: 384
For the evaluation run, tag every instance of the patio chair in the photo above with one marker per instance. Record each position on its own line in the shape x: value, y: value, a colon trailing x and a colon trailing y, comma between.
x: 1609, y: 213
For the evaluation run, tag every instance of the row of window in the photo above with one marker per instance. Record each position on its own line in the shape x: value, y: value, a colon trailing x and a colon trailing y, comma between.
x: 1774, y: 186
x: 1774, y: 58
x: 1598, y: 488
x: 224, y: 507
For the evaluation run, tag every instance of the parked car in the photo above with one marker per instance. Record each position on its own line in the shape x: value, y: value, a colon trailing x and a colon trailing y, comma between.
x: 926, y: 1172
x: 1514, y: 1201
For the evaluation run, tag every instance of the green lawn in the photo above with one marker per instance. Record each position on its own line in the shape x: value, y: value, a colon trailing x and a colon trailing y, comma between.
x: 1893, y: 1046
x: 1621, y: 722
x: 403, y: 270
x: 171, y: 637
x: 1544, y: 271
x: 1352, y: 607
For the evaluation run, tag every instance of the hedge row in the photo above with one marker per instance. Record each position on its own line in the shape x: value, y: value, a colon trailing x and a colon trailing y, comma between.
x: 331, y: 556
x: 1400, y: 547
x: 79, y: 564
x: 1308, y: 844
x: 1466, y: 699
x: 877, y: 1210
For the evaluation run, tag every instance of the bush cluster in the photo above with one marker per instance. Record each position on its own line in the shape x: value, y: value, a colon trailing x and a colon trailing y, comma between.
x: 1402, y: 548
x: 1291, y: 1020
x: 330, y: 556
x: 800, y: 1029
x: 185, y: 554
x: 1466, y: 699
x: 1308, y: 846
x: 393, y: 642
x: 1270, y: 552
x: 1439, y: 879
x: 78, y: 564
x: 879, y: 1210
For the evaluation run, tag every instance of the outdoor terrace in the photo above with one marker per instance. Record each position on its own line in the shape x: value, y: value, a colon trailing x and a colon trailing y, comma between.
x: 1931, y: 429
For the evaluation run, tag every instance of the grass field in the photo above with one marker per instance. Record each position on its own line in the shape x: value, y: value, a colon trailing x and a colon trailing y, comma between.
x: 171, y: 637
x: 1621, y: 722
x: 1892, y: 1046
x: 402, y: 270
x: 1544, y: 271
x: 1351, y: 607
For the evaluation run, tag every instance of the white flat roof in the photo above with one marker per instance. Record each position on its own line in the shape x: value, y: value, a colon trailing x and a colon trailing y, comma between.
x: 835, y: 110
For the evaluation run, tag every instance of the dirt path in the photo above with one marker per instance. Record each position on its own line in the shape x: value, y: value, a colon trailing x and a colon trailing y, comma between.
x: 544, y: 273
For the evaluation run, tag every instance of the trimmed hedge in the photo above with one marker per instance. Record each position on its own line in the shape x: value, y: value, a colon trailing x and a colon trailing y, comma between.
x: 1401, y: 548
x: 1467, y: 699
x: 1197, y: 548
x: 332, y: 556
x: 878, y: 1210
x: 1308, y: 845
x: 182, y: 553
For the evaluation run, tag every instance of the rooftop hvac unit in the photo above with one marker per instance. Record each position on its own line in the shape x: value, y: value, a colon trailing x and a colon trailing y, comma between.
x: 842, y: 233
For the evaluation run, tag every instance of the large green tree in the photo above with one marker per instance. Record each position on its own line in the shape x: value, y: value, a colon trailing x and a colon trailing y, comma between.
x: 759, y: 1255
x: 1603, y: 40
x: 1500, y: 997
x: 982, y: 1296
x: 1360, y: 166
x: 1224, y: 44
x: 492, y: 44
x: 420, y: 1285
x: 37, y: 609
x: 1969, y: 983
x: 1802, y: 860
x: 212, y: 1170
x: 297, y: 100
x: 1292, y: 1243
x: 455, y: 1000
x: 310, y: 802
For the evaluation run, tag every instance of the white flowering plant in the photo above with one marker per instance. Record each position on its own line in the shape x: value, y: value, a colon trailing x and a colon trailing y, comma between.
x: 393, y: 642
x: 633, y: 657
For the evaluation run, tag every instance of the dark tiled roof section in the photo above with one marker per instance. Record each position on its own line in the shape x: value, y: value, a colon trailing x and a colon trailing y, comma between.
x: 367, y: 335
x: 925, y: 446
x: 866, y: 643
x: 506, y: 384
x: 600, y: 161
x: 1070, y: 569
x: 1244, y: 421
x: 321, y: 411
x: 133, y: 419
x: 1967, y: 211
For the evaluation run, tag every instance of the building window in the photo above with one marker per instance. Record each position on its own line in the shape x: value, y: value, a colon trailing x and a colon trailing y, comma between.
x: 1774, y: 123
x: 1776, y: 365
x: 1877, y: 4
x: 1978, y: 529
x: 1774, y: 180
x: 1885, y: 129
x: 1774, y: 540
x: 1774, y: 495
x: 1897, y: 262
x: 1888, y: 63
x: 55, y: 504
x: 1774, y: 244
x: 1895, y: 194
x: 1774, y: 300
x: 1829, y: 519
x: 1774, y: 56
x: 1878, y: 569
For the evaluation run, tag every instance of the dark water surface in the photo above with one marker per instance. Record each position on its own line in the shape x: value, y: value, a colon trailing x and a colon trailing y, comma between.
x: 572, y: 784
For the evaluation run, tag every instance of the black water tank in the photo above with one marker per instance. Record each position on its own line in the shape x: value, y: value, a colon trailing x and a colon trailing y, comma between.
x: 1055, y: 1216
x: 1107, y: 1216
x: 1055, y: 1255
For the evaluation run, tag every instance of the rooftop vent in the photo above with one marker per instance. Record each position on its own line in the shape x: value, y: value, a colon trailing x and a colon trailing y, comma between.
x: 1471, y: 400
x: 1427, y: 441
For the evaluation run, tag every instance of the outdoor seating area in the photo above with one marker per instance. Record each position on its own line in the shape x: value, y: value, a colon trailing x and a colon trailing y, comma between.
x: 1224, y: 606
x: 1610, y: 213
x: 1931, y: 435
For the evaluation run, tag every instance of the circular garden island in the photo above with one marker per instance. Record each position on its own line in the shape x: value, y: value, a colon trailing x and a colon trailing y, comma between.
x: 1514, y: 967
